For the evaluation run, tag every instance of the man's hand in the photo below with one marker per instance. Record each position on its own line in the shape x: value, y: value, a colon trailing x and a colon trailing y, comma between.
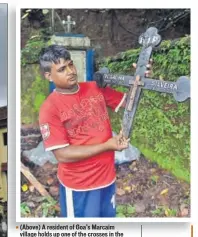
x: 149, y: 68
x: 118, y: 143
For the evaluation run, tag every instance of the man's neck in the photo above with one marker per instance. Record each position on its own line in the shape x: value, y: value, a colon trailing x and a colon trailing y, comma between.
x: 69, y: 90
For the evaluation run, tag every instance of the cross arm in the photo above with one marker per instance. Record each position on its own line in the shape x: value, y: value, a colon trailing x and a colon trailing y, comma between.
x: 180, y: 89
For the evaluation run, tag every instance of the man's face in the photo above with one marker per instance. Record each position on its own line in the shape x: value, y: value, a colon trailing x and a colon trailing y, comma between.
x: 63, y: 74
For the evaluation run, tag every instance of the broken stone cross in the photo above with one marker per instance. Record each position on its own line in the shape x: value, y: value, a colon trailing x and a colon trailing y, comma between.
x: 180, y: 89
x: 69, y: 23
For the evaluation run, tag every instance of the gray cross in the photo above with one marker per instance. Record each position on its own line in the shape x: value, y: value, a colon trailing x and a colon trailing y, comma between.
x: 68, y: 23
x: 180, y: 89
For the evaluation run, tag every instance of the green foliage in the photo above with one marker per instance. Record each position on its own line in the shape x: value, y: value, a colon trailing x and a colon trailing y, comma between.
x: 33, y: 98
x: 30, y: 53
x: 161, y: 128
x: 34, y: 88
x: 48, y: 207
x: 25, y: 210
x: 164, y: 212
x: 158, y: 212
x: 125, y: 210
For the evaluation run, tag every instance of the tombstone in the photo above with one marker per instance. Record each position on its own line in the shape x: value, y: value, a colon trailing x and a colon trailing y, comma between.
x: 80, y: 49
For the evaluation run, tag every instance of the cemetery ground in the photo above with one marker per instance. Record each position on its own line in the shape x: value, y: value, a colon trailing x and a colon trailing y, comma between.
x: 143, y: 190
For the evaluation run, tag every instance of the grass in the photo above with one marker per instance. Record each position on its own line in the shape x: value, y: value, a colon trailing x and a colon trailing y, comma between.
x: 125, y: 210
x: 173, y: 161
x: 174, y: 166
x: 164, y: 211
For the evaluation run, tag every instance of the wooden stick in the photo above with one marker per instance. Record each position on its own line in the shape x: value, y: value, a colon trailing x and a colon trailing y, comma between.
x: 191, y: 231
x: 26, y: 172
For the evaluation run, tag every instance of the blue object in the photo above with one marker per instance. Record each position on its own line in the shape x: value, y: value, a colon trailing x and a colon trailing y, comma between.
x: 51, y: 86
x: 93, y: 203
x: 69, y: 35
x: 90, y: 64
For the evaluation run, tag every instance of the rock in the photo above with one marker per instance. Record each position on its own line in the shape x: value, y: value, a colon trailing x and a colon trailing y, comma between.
x: 37, y: 199
x: 48, y: 166
x: 184, y: 210
x: 140, y: 207
x: 134, y: 163
x: 182, y: 206
x: 153, y: 170
x: 120, y: 192
x: 30, y: 137
x: 50, y: 181
x: 54, y: 190
x: 30, y: 204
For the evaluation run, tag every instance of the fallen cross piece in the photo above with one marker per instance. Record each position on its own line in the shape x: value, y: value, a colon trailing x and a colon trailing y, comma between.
x: 26, y: 172
x: 180, y: 89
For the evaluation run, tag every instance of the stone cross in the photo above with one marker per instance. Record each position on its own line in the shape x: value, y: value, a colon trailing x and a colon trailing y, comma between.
x: 69, y: 23
x: 180, y: 89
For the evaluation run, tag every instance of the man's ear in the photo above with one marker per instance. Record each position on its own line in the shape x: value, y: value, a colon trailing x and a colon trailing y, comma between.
x: 48, y: 76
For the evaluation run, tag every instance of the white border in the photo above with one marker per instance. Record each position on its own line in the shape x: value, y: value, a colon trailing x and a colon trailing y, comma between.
x: 18, y: 114
x: 18, y: 198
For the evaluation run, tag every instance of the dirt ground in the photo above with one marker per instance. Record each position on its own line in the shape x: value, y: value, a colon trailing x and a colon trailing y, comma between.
x: 143, y: 190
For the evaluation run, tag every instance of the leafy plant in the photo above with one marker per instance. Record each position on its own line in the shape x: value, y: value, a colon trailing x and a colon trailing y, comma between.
x: 30, y: 53
x: 25, y: 210
x: 157, y: 212
x: 161, y: 128
x: 164, y: 211
x: 48, y: 207
x: 125, y: 210
x: 33, y: 98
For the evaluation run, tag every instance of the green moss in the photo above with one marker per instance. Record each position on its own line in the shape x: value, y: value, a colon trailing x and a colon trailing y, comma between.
x: 161, y: 128
x: 34, y: 91
x: 172, y: 165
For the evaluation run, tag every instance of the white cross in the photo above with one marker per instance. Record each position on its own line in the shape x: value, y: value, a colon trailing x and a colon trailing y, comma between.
x: 69, y: 23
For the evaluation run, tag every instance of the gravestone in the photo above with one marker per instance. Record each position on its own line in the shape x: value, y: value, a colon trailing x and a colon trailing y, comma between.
x: 80, y: 49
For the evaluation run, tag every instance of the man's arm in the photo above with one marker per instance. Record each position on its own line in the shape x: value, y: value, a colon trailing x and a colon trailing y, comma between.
x: 73, y: 153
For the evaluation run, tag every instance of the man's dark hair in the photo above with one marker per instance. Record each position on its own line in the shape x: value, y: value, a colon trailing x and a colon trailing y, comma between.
x: 52, y: 54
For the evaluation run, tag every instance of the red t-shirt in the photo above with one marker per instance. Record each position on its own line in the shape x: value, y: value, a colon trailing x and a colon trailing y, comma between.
x: 81, y: 118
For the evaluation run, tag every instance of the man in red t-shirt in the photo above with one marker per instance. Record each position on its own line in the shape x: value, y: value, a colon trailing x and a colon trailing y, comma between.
x: 75, y: 126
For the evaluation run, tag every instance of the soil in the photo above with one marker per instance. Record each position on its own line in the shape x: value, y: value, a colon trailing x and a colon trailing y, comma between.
x: 142, y: 187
